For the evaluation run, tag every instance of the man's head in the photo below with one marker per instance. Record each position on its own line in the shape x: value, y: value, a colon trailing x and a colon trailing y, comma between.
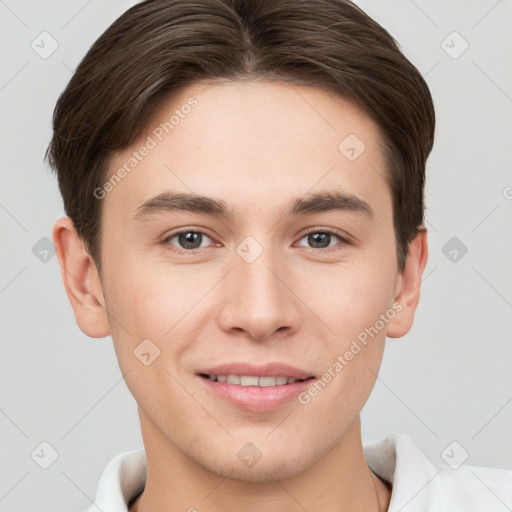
x: 159, y: 47
x: 289, y: 139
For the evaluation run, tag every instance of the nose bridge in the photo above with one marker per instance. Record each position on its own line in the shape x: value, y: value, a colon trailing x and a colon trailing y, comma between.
x: 259, y: 303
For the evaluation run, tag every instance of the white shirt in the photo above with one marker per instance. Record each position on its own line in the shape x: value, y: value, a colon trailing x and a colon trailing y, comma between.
x: 417, y: 484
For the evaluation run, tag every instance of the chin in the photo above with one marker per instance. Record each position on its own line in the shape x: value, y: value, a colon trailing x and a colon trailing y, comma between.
x: 275, y: 466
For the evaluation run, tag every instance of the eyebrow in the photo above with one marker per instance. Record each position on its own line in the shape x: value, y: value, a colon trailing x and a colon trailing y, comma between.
x: 312, y: 203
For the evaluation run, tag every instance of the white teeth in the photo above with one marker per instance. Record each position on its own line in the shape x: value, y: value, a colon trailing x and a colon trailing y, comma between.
x: 268, y: 381
x: 248, y: 380
x: 252, y: 380
x: 233, y: 379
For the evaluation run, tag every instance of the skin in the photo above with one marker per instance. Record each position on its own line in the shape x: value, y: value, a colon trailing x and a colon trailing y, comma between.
x: 256, y: 146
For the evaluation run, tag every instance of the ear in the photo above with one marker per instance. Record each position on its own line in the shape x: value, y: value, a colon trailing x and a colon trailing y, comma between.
x: 407, y: 291
x: 81, y: 280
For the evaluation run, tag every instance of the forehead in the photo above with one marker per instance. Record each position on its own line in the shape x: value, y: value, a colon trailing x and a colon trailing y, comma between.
x: 250, y: 142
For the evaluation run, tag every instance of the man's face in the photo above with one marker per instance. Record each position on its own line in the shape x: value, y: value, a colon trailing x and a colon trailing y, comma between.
x: 244, y: 293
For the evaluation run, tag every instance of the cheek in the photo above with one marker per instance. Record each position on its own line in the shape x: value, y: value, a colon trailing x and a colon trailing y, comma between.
x: 150, y: 300
x: 157, y: 303
x: 148, y: 313
x: 358, y: 307
x: 352, y: 299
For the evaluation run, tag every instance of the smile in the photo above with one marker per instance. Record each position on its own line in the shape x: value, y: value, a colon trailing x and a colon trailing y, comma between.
x: 256, y: 388
x: 252, y: 380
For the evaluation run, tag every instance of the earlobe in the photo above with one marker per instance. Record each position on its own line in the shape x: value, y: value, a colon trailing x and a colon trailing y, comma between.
x: 81, y: 280
x: 409, y: 285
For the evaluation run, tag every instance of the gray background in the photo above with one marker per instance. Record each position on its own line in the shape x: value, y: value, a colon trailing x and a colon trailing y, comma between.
x: 449, y: 379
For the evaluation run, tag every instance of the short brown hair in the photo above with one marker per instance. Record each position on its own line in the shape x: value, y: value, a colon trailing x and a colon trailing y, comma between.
x: 160, y: 46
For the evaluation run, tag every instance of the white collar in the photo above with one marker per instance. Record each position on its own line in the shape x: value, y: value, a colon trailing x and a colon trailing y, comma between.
x: 417, y: 484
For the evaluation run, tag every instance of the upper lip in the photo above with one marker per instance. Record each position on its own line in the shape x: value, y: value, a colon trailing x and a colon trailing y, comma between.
x: 266, y: 370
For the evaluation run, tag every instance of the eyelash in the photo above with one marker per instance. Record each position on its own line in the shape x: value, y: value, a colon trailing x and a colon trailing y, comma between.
x: 343, y: 240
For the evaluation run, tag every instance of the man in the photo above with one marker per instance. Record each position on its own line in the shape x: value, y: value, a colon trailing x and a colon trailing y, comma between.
x: 244, y: 188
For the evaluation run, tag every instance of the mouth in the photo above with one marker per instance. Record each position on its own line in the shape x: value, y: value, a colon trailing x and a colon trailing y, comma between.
x: 255, y: 388
x: 253, y: 380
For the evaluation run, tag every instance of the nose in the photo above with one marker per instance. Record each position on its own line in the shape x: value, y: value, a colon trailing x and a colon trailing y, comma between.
x: 259, y: 300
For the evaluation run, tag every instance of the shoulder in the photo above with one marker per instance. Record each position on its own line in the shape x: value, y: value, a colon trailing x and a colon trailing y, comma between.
x: 420, y: 485
x: 475, y: 487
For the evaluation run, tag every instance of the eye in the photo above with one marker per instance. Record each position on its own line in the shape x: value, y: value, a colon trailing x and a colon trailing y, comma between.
x: 191, y: 240
x: 188, y: 240
x: 322, y: 239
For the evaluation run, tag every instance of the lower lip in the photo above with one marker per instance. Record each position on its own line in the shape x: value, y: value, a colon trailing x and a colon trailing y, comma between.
x: 256, y: 398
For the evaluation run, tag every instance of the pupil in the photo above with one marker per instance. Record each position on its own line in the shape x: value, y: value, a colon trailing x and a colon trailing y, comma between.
x: 189, y: 240
x: 318, y: 239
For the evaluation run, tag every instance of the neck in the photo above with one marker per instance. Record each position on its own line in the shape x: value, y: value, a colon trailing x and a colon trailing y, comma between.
x: 341, y: 479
